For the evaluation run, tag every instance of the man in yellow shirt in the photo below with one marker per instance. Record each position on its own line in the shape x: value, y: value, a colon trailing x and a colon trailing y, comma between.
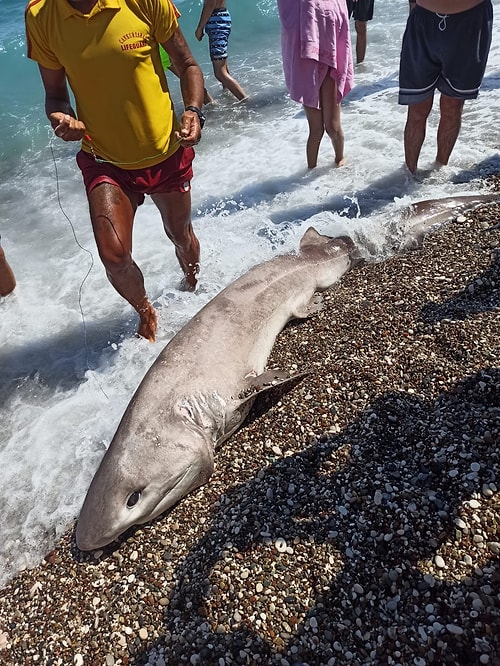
x: 132, y: 142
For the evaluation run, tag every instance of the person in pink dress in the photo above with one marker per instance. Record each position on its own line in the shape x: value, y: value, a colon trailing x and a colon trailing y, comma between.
x: 318, y: 68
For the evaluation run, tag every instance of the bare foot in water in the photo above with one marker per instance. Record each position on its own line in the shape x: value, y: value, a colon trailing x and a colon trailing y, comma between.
x: 148, y: 323
x: 190, y: 279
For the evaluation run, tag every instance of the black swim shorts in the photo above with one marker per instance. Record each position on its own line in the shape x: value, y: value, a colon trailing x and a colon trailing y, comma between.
x: 360, y: 10
x: 444, y: 51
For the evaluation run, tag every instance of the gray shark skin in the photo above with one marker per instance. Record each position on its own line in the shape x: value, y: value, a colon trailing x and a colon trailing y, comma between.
x: 201, y: 387
x: 426, y: 215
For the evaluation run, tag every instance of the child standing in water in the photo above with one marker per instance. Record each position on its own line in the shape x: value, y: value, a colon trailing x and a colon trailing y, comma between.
x: 215, y: 20
x: 317, y: 64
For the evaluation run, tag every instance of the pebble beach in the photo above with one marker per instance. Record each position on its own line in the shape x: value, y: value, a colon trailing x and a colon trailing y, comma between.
x: 353, y: 520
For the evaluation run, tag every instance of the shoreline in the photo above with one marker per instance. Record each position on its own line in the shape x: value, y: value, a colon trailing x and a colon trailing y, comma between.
x: 353, y: 520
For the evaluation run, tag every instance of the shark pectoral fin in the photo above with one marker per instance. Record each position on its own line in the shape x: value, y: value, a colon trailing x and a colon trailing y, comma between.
x: 268, y: 380
x: 314, y: 305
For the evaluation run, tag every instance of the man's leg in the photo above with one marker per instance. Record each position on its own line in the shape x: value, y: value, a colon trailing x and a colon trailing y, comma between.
x: 175, y: 209
x: 449, y: 126
x: 414, y: 133
x: 112, y: 214
x: 361, y: 30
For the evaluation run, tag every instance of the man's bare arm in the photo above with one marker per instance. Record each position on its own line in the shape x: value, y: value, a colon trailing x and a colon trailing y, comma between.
x: 58, y: 105
x: 192, y: 85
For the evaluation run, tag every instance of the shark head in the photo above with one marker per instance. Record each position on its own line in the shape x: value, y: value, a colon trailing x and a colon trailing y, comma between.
x: 148, y: 467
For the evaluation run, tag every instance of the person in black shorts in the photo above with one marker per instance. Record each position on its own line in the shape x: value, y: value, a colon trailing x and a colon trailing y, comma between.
x: 445, y: 47
x: 362, y: 12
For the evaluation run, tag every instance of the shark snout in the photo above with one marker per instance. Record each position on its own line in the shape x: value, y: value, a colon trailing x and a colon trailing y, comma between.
x: 116, y: 505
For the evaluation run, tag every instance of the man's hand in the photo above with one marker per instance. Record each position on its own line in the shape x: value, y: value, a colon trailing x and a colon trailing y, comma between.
x: 190, y: 132
x: 199, y: 34
x: 66, y: 127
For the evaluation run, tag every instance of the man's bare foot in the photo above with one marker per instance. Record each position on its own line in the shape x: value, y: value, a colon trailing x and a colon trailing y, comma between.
x: 190, y: 279
x: 340, y: 162
x: 148, y: 323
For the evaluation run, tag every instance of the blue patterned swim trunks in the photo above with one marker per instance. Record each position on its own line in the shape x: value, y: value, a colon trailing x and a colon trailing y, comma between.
x: 218, y: 29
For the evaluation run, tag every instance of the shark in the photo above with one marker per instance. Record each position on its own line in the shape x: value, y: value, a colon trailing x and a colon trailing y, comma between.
x: 201, y: 387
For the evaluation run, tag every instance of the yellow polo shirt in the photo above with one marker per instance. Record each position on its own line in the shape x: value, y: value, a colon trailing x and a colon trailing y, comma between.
x: 113, y: 67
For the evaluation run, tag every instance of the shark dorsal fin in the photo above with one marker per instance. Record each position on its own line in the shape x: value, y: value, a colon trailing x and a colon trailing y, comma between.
x: 312, y: 237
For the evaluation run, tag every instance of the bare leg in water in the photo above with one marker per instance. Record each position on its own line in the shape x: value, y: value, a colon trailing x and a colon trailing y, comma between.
x: 7, y: 279
x: 327, y: 118
x: 449, y: 126
x: 175, y: 209
x: 414, y: 133
x: 361, y: 39
x: 222, y: 74
x: 112, y: 214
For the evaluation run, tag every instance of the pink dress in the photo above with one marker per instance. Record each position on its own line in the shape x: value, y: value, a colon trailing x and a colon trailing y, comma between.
x: 315, y: 38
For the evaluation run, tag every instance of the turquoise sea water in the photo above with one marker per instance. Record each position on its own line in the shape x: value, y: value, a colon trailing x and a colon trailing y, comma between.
x: 69, y: 360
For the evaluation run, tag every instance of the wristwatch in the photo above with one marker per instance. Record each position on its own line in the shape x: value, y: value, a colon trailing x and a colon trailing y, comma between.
x: 198, y: 112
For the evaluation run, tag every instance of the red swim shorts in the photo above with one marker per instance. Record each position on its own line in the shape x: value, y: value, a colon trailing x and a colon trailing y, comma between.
x: 172, y: 175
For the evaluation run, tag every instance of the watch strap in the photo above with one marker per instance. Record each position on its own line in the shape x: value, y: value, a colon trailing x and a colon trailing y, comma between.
x: 198, y: 112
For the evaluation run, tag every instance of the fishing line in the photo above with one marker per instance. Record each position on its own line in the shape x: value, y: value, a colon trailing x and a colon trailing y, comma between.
x: 80, y: 289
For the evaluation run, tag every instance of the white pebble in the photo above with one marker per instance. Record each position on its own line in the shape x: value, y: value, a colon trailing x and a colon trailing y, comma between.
x: 439, y: 562
x: 454, y: 629
x: 280, y: 545
x: 484, y: 659
x: 474, y: 504
x: 313, y: 622
x: 78, y: 659
x: 143, y: 633
x: 475, y: 467
x: 377, y: 498
x: 35, y: 588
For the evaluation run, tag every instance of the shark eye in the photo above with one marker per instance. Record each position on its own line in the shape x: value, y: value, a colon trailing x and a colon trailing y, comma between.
x: 133, y: 499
